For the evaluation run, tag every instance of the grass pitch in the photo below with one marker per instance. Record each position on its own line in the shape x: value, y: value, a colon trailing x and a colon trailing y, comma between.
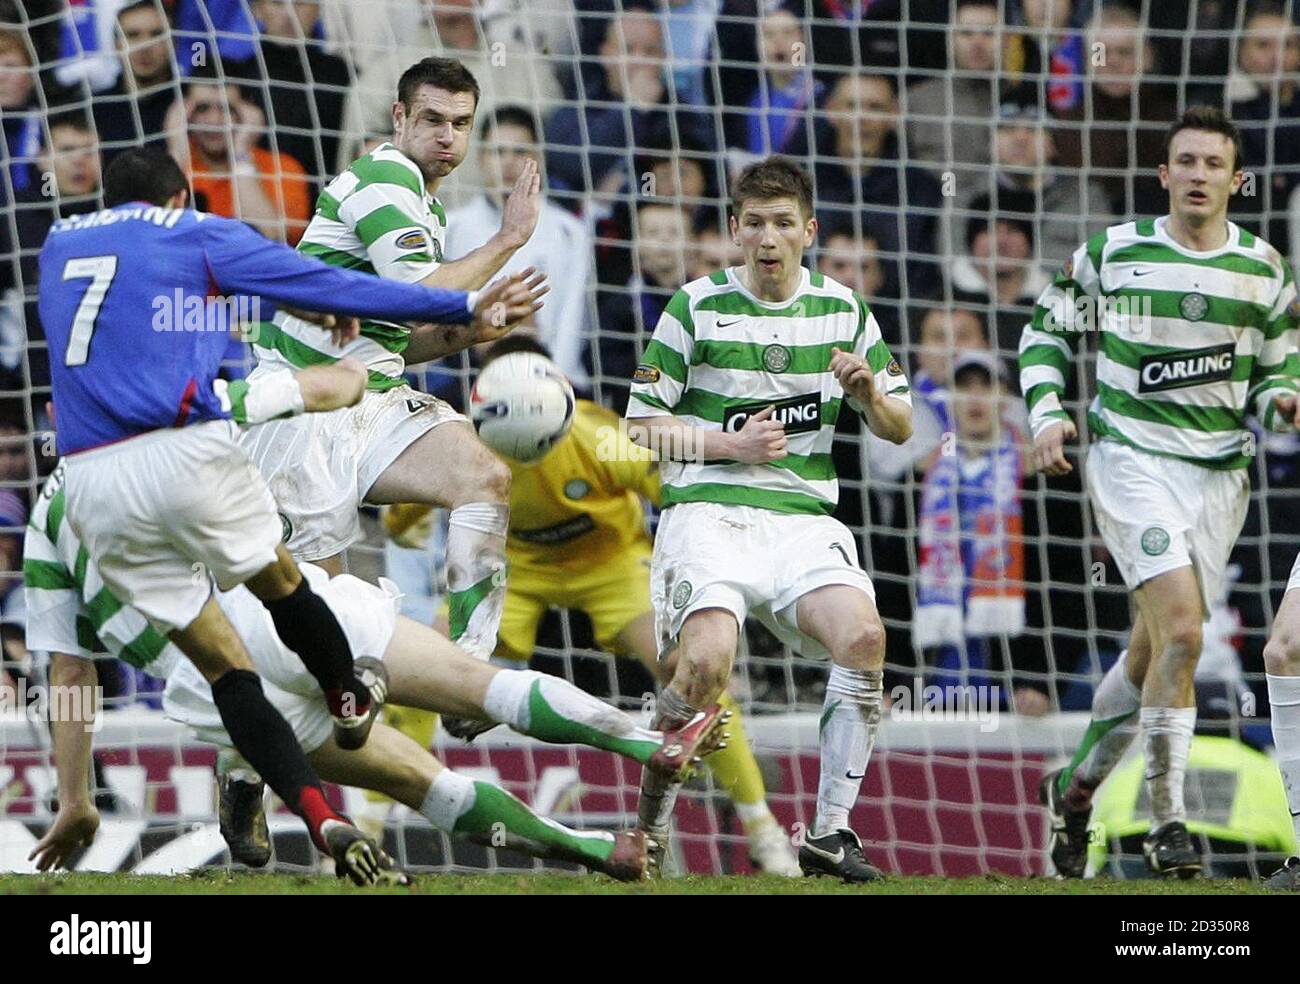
x: 222, y: 882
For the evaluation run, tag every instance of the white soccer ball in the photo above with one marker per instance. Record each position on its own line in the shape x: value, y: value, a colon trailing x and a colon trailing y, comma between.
x: 521, y: 405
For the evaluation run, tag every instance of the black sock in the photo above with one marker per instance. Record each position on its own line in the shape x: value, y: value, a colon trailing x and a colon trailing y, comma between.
x: 307, y: 626
x: 265, y: 739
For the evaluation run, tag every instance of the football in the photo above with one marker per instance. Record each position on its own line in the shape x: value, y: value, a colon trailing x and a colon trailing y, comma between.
x: 521, y: 405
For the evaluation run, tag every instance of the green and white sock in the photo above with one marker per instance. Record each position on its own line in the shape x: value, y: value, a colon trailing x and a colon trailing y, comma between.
x: 556, y: 711
x: 476, y: 574
x: 1111, y: 731
x: 487, y: 814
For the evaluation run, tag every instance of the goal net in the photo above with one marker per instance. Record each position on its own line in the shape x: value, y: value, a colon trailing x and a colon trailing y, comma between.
x: 959, y: 153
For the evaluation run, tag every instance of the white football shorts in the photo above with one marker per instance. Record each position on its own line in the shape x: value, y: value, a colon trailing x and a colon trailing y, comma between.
x: 1157, y: 514
x: 321, y: 466
x: 163, y: 512
x: 368, y: 615
x: 749, y: 561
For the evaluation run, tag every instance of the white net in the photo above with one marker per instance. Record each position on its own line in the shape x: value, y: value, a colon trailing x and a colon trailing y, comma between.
x: 959, y: 152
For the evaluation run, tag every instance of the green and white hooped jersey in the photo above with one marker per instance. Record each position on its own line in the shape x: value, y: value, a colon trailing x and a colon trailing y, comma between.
x: 69, y: 610
x: 375, y: 217
x: 719, y: 354
x: 1190, y: 342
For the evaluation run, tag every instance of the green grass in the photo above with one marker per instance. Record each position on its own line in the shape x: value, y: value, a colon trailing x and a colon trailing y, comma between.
x: 219, y: 882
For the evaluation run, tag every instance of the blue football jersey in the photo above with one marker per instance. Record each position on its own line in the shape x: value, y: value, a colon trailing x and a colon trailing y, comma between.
x: 138, y: 303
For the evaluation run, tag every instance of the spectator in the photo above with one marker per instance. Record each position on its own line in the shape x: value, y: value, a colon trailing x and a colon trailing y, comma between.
x: 628, y: 314
x: 856, y: 164
x: 87, y: 45
x: 507, y: 74
x: 1268, y: 56
x: 781, y: 95
x: 1116, y: 133
x: 1064, y: 208
x: 689, y: 35
x: 944, y: 332
x: 301, y: 86
x: 214, y: 133
x: 592, y: 147
x: 855, y: 262
x: 1052, y: 47
x: 713, y: 248
x: 133, y: 110
x: 71, y: 157
x: 20, y: 110
x: 561, y: 246
x: 970, y: 586
x: 946, y: 113
x: 997, y: 273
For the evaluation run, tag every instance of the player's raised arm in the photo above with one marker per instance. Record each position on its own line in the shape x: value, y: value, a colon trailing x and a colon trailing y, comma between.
x: 1275, y: 376
x: 1064, y: 311
x: 498, y: 307
x: 243, y: 262
x: 518, y: 220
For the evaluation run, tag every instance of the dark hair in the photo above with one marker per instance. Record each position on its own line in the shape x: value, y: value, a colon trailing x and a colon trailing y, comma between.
x: 510, y: 116
x: 153, y: 5
x: 775, y: 177
x: 1211, y: 119
x: 441, y: 73
x: 514, y: 342
x: 143, y: 174
x: 75, y: 118
x: 1264, y: 8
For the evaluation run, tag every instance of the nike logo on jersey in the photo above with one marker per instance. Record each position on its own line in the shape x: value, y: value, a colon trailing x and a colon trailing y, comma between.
x: 1142, y: 273
x: 728, y: 324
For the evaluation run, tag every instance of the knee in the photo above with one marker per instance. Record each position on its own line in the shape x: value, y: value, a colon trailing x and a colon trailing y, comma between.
x: 1282, y: 653
x: 489, y: 478
x: 862, y: 646
x: 1183, y: 640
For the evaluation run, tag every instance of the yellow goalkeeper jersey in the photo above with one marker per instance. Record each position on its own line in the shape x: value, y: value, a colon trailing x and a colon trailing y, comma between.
x: 581, y: 504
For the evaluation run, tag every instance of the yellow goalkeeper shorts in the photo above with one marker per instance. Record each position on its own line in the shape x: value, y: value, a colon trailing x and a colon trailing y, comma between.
x: 613, y: 594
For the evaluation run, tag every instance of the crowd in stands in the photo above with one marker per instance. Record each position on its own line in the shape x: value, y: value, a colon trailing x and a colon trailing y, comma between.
x: 958, y: 157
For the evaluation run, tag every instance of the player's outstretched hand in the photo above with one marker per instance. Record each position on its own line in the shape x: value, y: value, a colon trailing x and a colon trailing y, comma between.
x: 507, y: 301
x: 73, y: 829
x: 332, y: 385
x: 1288, y: 410
x: 1049, y: 448
x: 523, y: 205
x: 760, y: 440
x: 342, y: 328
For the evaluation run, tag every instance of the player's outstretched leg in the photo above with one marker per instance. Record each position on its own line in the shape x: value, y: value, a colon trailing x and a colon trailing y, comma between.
x: 427, y: 671
x: 845, y: 621
x: 267, y: 742
x: 1282, y: 664
x: 479, y: 811
x: 309, y: 627
x: 1068, y: 792
x: 1171, y: 607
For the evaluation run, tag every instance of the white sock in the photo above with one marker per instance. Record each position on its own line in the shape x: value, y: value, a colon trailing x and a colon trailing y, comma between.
x: 449, y: 798
x: 506, y: 699
x: 1284, y: 704
x: 850, y: 718
x: 754, y: 813
x: 476, y: 574
x: 1167, y: 740
x: 1116, y: 697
